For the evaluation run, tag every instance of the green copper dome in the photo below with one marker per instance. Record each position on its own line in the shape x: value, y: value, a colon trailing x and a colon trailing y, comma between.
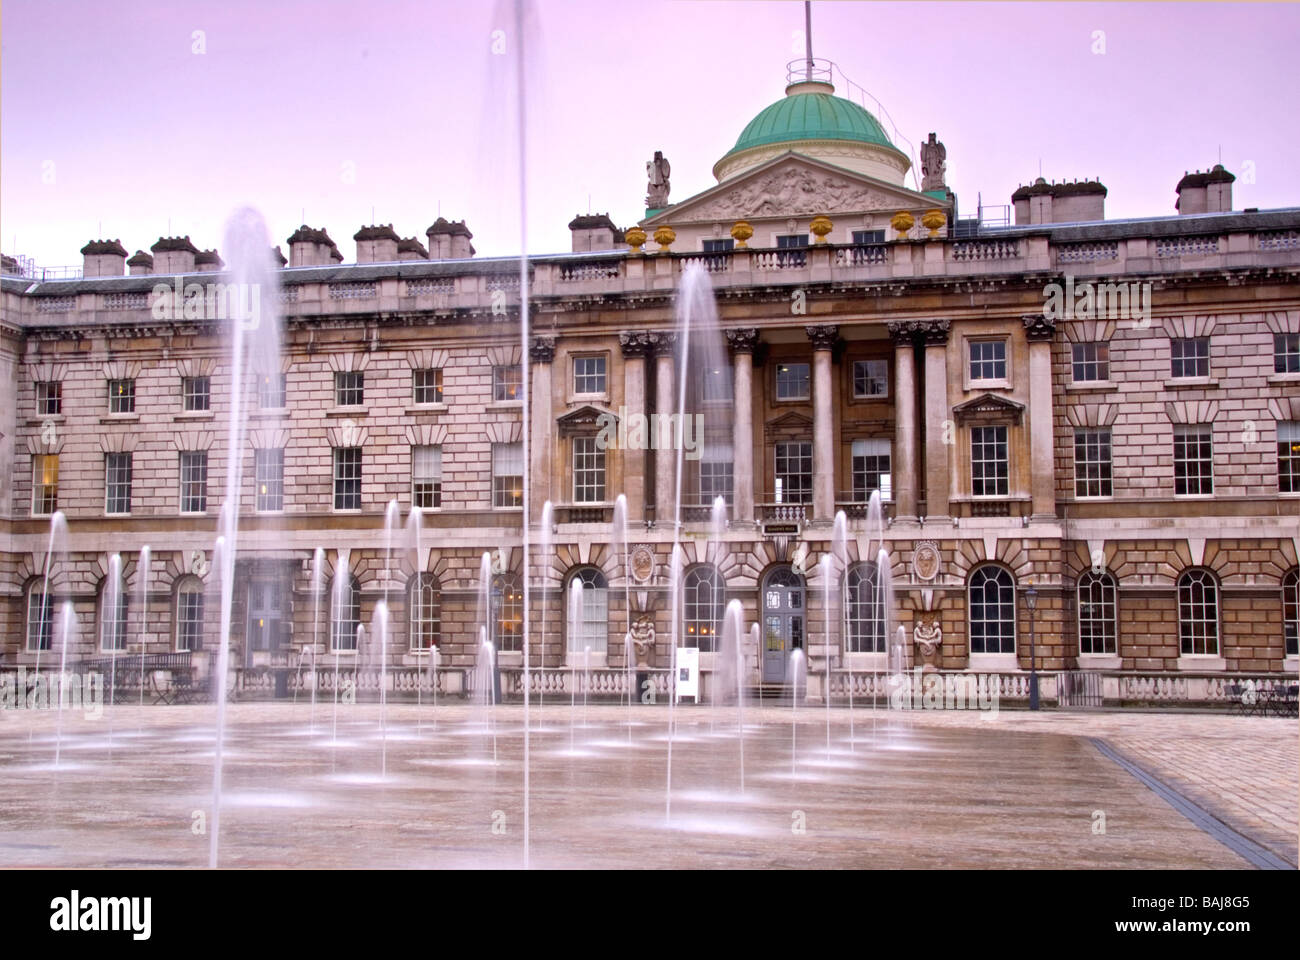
x: 811, y: 115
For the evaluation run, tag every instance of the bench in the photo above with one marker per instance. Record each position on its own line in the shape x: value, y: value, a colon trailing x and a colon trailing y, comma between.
x: 129, y: 672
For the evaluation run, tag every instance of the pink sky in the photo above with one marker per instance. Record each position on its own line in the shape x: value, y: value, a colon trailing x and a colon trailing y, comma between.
x: 108, y: 103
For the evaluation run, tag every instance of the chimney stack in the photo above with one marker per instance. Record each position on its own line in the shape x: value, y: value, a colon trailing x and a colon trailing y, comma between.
x: 411, y: 249
x: 1044, y: 202
x: 1209, y: 192
x: 309, y: 247
x: 376, y: 244
x: 174, y: 255
x: 141, y: 264
x: 594, y: 232
x: 103, y: 258
x: 207, y: 261
x: 449, y: 240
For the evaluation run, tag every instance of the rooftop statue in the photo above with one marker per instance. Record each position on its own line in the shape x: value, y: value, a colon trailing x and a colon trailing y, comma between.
x: 658, y: 170
x: 933, y: 165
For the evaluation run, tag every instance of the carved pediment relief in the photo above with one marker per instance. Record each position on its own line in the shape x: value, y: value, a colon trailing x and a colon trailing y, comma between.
x: 585, y: 419
x: 988, y: 408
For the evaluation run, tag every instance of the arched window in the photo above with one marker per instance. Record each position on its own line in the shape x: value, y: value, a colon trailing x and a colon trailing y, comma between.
x: 1198, y: 613
x: 114, y: 615
x: 1097, y: 613
x: 864, y: 609
x: 702, y: 607
x: 424, y: 603
x: 1291, y: 610
x: 508, y: 601
x: 592, y: 630
x: 189, y: 615
x: 345, y: 615
x: 40, y: 618
x: 992, y: 610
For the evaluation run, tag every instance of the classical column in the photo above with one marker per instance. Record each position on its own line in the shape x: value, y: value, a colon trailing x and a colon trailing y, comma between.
x: 904, y: 458
x: 823, y: 341
x: 663, y: 344
x: 940, y: 434
x: 743, y: 342
x: 1039, y: 331
x: 635, y: 348
x: 541, y: 352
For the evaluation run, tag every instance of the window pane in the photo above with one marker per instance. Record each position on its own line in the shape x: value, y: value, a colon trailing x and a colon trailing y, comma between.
x: 794, y: 473
x: 1091, y: 361
x: 45, y: 483
x: 194, y: 481
x: 196, y: 393
x: 427, y: 386
x: 1193, y: 460
x: 40, y: 620
x: 988, y: 462
x: 588, y: 470
x: 189, y: 618
x: 992, y: 611
x: 1288, y: 456
x: 117, y: 483
x: 1198, y: 613
x: 121, y: 396
x: 49, y: 399
x: 271, y: 391
x: 792, y: 381
x: 1097, y: 621
x: 1286, y: 353
x: 589, y: 375
x: 1092, y: 463
x: 507, y: 382
x: 988, y: 360
x: 426, y: 477
x: 507, y: 474
x: 269, y: 468
x: 870, y: 378
x: 349, y: 389
x: 1190, y: 357
x: 347, y: 478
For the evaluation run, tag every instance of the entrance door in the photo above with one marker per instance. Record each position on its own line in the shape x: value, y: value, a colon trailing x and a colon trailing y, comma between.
x: 783, y: 606
x: 268, y: 615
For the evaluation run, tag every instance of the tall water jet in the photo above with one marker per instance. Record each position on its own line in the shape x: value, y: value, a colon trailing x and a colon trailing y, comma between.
x: 340, y: 586
x: 414, y: 534
x: 629, y: 664
x: 825, y: 565
x: 67, y: 632
x: 381, y: 630
x: 675, y: 578
x: 143, y: 567
x: 730, y: 659
x: 840, y: 553
x: 112, y: 630
x: 575, y: 630
x: 57, y: 544
x: 254, y: 333
x: 547, y: 525
x: 317, y: 588
x: 797, y: 670
x: 485, y: 667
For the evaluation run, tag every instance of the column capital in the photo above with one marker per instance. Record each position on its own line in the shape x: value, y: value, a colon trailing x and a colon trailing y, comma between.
x: 662, y: 342
x: 1038, y: 327
x: 542, y: 350
x: 823, y: 336
x: 931, y: 332
x: 742, y: 339
x: 635, y: 344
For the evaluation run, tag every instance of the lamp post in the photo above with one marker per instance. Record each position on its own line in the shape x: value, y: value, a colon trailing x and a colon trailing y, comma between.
x: 1031, y: 601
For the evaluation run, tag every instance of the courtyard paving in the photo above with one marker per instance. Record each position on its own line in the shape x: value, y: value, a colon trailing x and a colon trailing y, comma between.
x: 420, y: 787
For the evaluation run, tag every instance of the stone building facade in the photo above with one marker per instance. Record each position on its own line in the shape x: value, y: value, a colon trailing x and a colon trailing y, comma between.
x: 1103, y: 417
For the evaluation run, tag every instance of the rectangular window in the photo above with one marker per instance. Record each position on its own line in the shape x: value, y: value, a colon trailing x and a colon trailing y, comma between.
x: 347, y: 478
x: 868, y: 236
x: 792, y: 381
x: 45, y: 483
x: 1286, y: 353
x: 1189, y: 357
x: 988, y: 360
x: 426, y: 477
x: 719, y: 246
x: 588, y: 470
x: 717, y: 384
x: 268, y: 468
x: 1193, y: 459
x: 117, y: 483
x: 717, y: 473
x: 189, y: 619
x: 121, y: 396
x: 427, y: 385
x: 1092, y: 476
x: 40, y: 620
x: 49, y: 398
x: 1090, y: 361
x: 871, y: 469
x: 1288, y: 456
x: 794, y: 472
x: 349, y: 389
x: 196, y: 393
x: 194, y: 481
x: 272, y: 391
x: 588, y: 374
x: 870, y: 378
x: 988, y: 461
x: 507, y: 474
x: 507, y: 383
